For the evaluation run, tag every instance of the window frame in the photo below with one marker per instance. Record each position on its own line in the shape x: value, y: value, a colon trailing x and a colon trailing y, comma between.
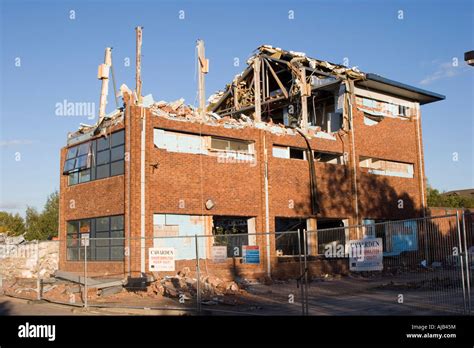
x: 102, y: 147
x: 92, y: 250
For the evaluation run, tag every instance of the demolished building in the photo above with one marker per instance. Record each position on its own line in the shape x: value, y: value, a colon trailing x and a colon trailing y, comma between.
x: 291, y: 143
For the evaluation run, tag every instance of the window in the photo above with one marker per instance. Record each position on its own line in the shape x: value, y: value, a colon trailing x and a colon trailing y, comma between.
x: 106, y: 239
x: 331, y: 233
x: 96, y: 159
x: 286, y: 236
x: 403, y: 110
x: 221, y: 144
x: 78, y: 159
x: 296, y: 153
x: 327, y: 157
x: 231, y: 232
x: 385, y: 167
x: 178, y: 142
x: 288, y: 152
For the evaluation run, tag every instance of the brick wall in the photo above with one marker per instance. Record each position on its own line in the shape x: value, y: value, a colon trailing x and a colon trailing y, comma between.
x: 238, y: 188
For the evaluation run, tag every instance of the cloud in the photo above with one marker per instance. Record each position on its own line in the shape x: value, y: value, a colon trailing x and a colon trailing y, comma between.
x: 4, y: 143
x: 11, y: 206
x: 443, y: 71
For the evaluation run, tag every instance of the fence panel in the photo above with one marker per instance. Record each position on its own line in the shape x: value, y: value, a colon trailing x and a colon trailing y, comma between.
x: 422, y: 266
x: 421, y: 272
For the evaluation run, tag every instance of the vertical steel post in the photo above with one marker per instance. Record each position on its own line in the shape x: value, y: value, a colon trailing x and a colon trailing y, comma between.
x: 85, y: 273
x: 38, y: 280
x: 301, y: 275
x: 466, y: 258
x: 462, y: 262
x: 198, y: 284
x: 425, y: 232
x: 305, y: 270
x: 138, y: 64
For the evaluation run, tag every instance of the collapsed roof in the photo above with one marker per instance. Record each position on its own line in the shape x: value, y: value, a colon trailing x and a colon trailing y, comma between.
x: 294, y: 91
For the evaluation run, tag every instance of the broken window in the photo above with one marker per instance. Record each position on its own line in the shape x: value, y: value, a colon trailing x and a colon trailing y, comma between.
x: 286, y: 236
x: 235, y: 149
x: 221, y: 144
x: 322, y: 112
x: 328, y: 157
x: 77, y: 158
x: 105, y: 236
x: 232, y: 232
x: 288, y: 152
x: 96, y: 159
x: 178, y: 231
x: 385, y: 167
x: 403, y: 110
x: 331, y: 235
x: 179, y: 142
x: 379, y: 109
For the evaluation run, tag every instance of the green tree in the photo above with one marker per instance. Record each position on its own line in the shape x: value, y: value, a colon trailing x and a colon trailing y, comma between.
x: 45, y: 224
x: 11, y: 224
x: 436, y: 199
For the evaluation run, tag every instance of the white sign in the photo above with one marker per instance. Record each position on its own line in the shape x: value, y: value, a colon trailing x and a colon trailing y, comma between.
x: 161, y: 259
x: 366, y: 254
x: 219, y: 254
x: 85, y: 239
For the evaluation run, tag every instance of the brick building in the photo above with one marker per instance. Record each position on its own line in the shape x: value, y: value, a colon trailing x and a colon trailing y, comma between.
x: 321, y: 146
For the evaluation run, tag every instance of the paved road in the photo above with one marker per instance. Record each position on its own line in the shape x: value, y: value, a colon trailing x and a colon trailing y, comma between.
x: 14, y: 306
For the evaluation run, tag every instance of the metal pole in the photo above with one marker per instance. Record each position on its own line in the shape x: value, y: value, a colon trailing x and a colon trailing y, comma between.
x: 203, y: 69
x: 198, y: 293
x: 138, y: 65
x: 425, y: 231
x: 38, y: 280
x: 85, y: 273
x: 305, y: 270
x: 466, y: 258
x: 301, y: 275
x: 462, y: 262
x: 267, y: 210
x: 104, y: 76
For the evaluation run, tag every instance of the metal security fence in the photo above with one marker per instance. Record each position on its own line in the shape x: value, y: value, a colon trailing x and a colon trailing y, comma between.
x: 421, y: 267
x: 407, y: 267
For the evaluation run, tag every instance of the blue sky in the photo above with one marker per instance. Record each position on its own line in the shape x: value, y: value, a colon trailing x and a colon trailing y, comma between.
x: 59, y: 58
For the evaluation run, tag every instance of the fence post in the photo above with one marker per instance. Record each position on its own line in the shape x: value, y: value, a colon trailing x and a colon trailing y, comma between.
x: 466, y: 258
x: 301, y: 275
x: 462, y: 262
x: 305, y: 239
x: 198, y: 275
x: 425, y: 233
x: 38, y: 280
x: 85, y: 271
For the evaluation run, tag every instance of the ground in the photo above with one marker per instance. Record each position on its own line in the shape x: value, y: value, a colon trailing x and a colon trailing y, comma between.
x: 430, y: 293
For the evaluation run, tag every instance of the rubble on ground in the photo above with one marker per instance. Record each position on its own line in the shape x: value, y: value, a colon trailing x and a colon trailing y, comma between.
x: 182, y: 284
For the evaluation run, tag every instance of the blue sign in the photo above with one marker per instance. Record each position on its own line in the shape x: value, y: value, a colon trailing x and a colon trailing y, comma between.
x: 251, y: 254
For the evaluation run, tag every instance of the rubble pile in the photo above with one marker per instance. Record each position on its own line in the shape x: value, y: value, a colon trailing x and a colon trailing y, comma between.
x: 183, y: 285
x: 28, y: 259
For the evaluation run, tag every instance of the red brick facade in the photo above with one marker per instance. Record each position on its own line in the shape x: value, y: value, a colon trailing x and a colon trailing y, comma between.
x: 238, y: 189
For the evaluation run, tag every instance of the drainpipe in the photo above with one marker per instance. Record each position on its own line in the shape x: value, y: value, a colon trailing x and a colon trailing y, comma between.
x: 128, y: 123
x: 420, y: 160
x: 267, y: 208
x: 142, y: 190
x: 350, y: 88
x: 312, y: 174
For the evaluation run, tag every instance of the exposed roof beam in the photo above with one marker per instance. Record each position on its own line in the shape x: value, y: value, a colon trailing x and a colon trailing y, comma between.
x: 283, y: 89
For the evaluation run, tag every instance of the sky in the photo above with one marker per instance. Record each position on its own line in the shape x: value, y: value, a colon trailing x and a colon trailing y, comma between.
x: 50, y: 51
